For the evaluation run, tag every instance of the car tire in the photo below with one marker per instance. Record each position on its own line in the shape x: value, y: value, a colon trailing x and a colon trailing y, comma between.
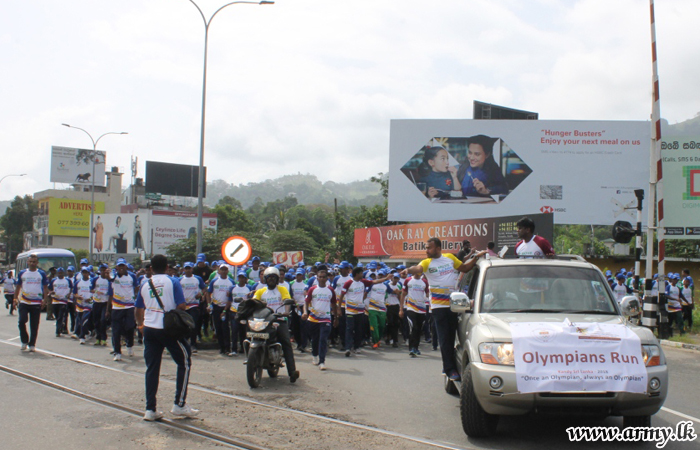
x: 476, y: 422
x: 450, y: 386
x: 636, y: 421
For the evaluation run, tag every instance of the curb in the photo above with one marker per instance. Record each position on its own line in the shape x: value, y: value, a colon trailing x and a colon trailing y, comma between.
x: 667, y: 343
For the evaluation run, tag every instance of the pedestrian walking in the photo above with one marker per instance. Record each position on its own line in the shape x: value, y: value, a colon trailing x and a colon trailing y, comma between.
x: 31, y: 292
x: 8, y: 285
x: 60, y: 292
x: 102, y: 297
x: 124, y: 288
x: 320, y: 301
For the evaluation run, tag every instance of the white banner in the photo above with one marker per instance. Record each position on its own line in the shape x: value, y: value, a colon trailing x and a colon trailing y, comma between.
x: 169, y: 227
x: 75, y: 166
x: 580, y: 357
x: 583, y: 172
x: 289, y: 259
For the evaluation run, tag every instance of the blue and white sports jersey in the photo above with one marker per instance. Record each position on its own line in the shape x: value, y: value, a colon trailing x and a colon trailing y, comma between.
x: 31, y: 285
x: 170, y: 293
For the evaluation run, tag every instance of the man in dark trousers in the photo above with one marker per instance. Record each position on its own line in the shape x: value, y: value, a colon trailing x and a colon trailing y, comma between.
x: 149, y: 319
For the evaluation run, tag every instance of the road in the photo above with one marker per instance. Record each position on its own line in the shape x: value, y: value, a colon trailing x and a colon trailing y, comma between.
x: 385, y: 389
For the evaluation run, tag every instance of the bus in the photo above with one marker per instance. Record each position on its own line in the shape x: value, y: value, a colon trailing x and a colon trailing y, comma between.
x: 48, y: 257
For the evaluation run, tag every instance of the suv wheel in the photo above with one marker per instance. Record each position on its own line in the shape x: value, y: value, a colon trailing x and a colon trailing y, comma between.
x: 636, y: 421
x: 475, y: 421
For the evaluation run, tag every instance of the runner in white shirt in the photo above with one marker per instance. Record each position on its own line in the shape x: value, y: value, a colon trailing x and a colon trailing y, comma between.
x: 414, y: 297
x: 149, y: 317
x: 240, y: 292
x: 124, y: 288
x: 102, y: 297
x: 338, y: 282
x: 220, y: 299
x: 30, y: 293
x: 393, y: 319
x: 8, y: 285
x: 320, y: 301
x: 60, y: 291
x: 299, y: 328
x: 194, y: 289
x: 83, y: 304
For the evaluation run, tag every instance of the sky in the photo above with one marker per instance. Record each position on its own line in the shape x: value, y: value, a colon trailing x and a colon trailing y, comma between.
x: 311, y: 87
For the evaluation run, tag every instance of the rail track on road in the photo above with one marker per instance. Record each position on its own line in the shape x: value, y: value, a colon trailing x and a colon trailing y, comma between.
x: 200, y: 431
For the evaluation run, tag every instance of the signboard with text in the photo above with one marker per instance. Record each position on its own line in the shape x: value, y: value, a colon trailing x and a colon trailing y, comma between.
x: 681, y: 178
x: 75, y: 166
x: 71, y: 217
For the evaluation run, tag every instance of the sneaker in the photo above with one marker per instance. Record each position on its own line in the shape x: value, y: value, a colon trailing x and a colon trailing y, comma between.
x: 294, y: 377
x: 73, y: 336
x: 412, y: 353
x: 184, y: 411
x: 97, y: 343
x: 118, y: 357
x: 23, y: 347
x: 395, y: 345
x: 194, y: 350
x: 357, y: 351
x: 454, y: 376
x: 322, y: 366
x: 152, y: 416
x: 104, y: 343
x: 233, y: 354
x: 130, y: 351
x: 315, y: 361
x: 375, y: 346
x: 347, y: 353
x: 82, y: 341
x: 32, y: 349
x: 58, y: 334
x: 417, y: 351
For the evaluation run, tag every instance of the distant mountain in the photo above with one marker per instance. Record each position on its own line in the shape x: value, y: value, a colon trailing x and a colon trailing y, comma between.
x: 690, y: 127
x: 307, y: 189
x: 4, y: 204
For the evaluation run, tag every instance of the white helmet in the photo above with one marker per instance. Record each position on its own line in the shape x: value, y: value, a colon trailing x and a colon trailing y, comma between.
x: 271, y: 271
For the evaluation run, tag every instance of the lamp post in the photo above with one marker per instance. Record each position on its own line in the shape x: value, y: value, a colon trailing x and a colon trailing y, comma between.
x: 200, y: 184
x: 92, y: 193
x: 18, y: 175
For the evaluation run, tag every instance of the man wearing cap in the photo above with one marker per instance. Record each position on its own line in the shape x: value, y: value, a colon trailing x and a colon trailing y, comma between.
x: 193, y: 288
x: 441, y: 270
x: 620, y: 289
x: 49, y: 307
x: 124, y: 288
x: 201, y: 268
x: 31, y: 292
x: 240, y: 292
x: 414, y: 298
x: 338, y: 282
x: 102, y: 296
x: 320, y: 301
x: 149, y: 317
x: 253, y: 272
x: 8, y: 284
x: 83, y: 304
x: 60, y: 290
x: 393, y: 321
x: 70, y: 309
x: 674, y: 297
x: 297, y: 289
x: 220, y: 298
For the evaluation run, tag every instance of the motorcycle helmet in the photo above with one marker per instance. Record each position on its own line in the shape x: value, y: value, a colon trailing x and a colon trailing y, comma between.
x: 271, y: 271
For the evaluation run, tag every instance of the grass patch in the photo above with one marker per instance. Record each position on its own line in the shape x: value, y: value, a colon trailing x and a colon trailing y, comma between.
x: 682, y: 339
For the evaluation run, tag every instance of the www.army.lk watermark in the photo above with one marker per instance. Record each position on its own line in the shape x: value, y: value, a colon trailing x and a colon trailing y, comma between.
x: 684, y: 431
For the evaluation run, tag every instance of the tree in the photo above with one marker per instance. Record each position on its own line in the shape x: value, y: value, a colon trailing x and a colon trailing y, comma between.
x: 18, y: 219
x: 230, y: 217
x: 375, y: 216
x: 382, y: 180
x: 228, y: 200
x: 294, y: 240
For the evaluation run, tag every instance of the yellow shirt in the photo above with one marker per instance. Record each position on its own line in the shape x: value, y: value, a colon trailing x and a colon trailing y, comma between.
x: 442, y: 277
x: 273, y: 298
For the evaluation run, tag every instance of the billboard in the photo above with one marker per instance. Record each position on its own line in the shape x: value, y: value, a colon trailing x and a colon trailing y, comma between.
x: 681, y: 178
x: 74, y: 166
x: 120, y: 233
x: 168, y: 227
x: 409, y: 241
x: 582, y: 172
x: 173, y: 179
x: 289, y: 259
x: 71, y: 217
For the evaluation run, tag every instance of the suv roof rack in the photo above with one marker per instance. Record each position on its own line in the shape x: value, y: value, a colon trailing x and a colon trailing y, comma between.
x: 557, y: 257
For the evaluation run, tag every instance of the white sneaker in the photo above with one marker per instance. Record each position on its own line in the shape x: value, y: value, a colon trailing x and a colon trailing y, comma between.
x: 315, y: 362
x: 118, y: 357
x: 151, y: 416
x: 130, y: 351
x: 184, y: 411
x: 358, y: 351
x: 32, y: 349
x: 82, y: 341
x: 23, y: 347
x: 322, y: 366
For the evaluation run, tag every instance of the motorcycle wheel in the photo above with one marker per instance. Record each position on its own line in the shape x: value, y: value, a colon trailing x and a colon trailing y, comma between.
x: 273, y: 371
x: 253, y: 369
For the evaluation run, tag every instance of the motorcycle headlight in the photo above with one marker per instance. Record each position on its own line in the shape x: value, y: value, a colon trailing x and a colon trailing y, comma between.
x: 496, y: 353
x: 257, y: 325
x: 651, y: 355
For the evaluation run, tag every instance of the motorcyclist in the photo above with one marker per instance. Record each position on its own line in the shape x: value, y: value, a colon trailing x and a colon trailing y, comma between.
x: 273, y: 296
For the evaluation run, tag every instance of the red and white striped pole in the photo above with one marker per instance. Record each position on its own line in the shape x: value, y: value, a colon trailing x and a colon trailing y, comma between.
x: 656, y: 146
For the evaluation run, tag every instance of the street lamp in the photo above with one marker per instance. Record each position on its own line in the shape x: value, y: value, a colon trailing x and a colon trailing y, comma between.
x: 200, y: 185
x: 92, y: 194
x: 19, y: 175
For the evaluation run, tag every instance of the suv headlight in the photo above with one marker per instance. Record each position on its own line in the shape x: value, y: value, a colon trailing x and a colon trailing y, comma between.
x: 258, y: 325
x: 651, y: 355
x: 496, y: 353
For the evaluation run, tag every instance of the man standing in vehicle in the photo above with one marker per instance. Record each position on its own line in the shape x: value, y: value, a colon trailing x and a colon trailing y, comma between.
x: 274, y: 297
x: 530, y: 244
x: 149, y: 319
x: 441, y: 270
x: 32, y: 290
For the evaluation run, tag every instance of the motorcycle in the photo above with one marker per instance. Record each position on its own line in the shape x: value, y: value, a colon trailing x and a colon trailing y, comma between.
x: 261, y: 347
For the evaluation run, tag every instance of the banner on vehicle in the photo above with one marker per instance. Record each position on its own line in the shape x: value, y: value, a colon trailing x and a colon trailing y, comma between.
x: 409, y: 241
x: 582, y: 172
x: 577, y: 357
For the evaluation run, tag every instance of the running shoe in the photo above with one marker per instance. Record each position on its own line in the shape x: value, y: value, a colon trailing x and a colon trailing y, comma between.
x: 32, y: 349
x: 375, y: 346
x: 23, y: 347
x: 347, y: 353
x: 417, y: 351
x: 130, y: 351
x: 412, y: 353
x: 322, y: 366
x: 152, y: 416
x: 315, y: 361
x: 294, y: 377
x: 118, y: 357
x: 454, y: 376
x: 82, y: 341
x: 184, y: 411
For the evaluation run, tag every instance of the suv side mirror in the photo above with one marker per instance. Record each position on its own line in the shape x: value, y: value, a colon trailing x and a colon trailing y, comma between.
x: 630, y: 306
x: 459, y: 302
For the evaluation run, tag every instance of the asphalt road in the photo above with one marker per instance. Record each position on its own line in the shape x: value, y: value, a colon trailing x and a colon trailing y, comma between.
x: 382, y: 388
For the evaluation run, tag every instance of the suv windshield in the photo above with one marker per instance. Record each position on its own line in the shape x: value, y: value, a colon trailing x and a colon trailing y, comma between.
x: 529, y: 288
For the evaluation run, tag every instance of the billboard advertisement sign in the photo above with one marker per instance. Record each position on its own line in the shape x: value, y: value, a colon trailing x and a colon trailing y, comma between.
x: 74, y: 166
x: 120, y: 233
x: 289, y: 259
x: 168, y: 227
x: 681, y: 178
x: 582, y: 172
x: 409, y: 241
x: 71, y: 217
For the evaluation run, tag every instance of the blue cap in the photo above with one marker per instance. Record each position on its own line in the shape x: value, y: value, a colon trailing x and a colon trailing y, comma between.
x: 396, y: 275
x: 60, y: 269
x: 344, y: 265
x: 300, y: 264
x: 85, y: 269
x: 359, y: 264
x: 70, y: 268
x: 400, y: 267
x: 130, y: 267
x: 629, y: 274
x: 677, y: 276
x: 610, y: 279
x: 104, y: 266
x: 620, y: 276
x: 215, y: 263
x: 301, y: 272
x: 608, y: 273
x: 372, y: 265
x: 280, y: 267
x: 255, y: 258
x: 201, y: 257
x: 656, y: 275
x: 317, y: 263
x: 84, y: 261
x: 188, y: 264
x: 241, y: 273
x: 121, y: 262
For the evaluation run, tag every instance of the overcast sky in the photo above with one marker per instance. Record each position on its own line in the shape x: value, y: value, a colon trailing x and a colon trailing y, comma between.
x: 311, y: 86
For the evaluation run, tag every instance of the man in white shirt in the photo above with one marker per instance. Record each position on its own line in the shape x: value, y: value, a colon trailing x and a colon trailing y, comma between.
x: 32, y: 290
x: 149, y: 319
